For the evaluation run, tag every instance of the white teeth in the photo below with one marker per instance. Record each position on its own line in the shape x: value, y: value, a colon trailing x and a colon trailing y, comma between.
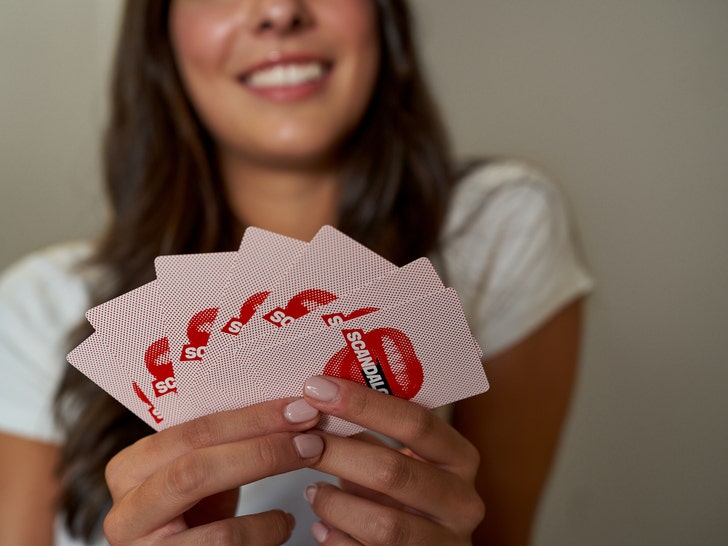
x: 286, y: 75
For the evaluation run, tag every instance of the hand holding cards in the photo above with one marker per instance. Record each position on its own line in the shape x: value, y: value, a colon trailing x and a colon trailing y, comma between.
x: 226, y: 330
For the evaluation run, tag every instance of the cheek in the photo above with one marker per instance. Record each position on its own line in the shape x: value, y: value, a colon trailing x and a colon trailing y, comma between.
x: 354, y: 24
x: 200, y: 33
x: 357, y: 17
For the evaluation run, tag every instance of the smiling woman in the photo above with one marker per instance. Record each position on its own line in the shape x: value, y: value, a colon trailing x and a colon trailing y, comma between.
x: 283, y: 89
x: 288, y: 115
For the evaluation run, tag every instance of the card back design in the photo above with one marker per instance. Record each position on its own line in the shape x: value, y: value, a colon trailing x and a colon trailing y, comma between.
x: 92, y: 359
x: 130, y: 326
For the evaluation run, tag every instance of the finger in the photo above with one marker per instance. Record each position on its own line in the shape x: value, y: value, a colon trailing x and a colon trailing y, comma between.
x: 174, y: 489
x: 361, y: 491
x: 140, y: 460
x: 323, y: 534
x: 372, y: 523
x: 421, y: 486
x: 268, y: 528
x: 218, y: 506
x: 414, y: 426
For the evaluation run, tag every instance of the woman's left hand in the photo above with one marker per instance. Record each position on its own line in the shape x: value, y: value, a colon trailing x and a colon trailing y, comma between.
x: 421, y: 494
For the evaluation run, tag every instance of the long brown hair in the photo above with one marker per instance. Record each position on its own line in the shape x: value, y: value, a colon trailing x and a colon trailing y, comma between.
x: 166, y: 197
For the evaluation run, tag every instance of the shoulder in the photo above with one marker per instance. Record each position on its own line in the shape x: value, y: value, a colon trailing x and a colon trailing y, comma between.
x: 42, y: 298
x: 503, y: 188
x: 501, y: 214
x: 53, y: 275
x: 509, y: 250
x: 60, y: 258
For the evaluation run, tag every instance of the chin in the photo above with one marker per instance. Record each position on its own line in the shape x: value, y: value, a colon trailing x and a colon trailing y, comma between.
x: 305, y: 152
x: 294, y: 158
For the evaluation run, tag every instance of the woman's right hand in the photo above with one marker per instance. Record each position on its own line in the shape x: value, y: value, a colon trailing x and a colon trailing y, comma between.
x: 156, y: 482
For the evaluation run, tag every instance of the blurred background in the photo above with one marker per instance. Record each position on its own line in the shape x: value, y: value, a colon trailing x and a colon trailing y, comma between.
x: 623, y: 103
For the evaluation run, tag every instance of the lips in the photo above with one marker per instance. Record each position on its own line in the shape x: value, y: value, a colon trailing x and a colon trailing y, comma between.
x: 247, y: 310
x: 200, y: 326
x: 308, y: 300
x: 299, y: 305
x: 392, y: 350
x: 287, y: 78
x: 340, y: 318
x: 158, y: 361
x: 154, y: 412
x: 286, y: 74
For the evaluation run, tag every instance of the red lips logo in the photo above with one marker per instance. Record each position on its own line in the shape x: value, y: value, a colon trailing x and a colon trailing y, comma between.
x: 383, y: 359
x: 235, y: 325
x: 154, y: 412
x: 159, y: 364
x: 198, y: 333
x: 335, y: 319
x: 299, y: 305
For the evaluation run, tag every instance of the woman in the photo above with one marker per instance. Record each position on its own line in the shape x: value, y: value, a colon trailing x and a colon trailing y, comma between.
x: 288, y: 115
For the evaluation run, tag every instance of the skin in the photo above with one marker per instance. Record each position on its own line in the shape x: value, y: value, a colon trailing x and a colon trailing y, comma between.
x: 27, y: 490
x: 509, y: 477
x: 277, y: 155
x: 517, y: 424
x: 220, y: 451
x: 280, y: 174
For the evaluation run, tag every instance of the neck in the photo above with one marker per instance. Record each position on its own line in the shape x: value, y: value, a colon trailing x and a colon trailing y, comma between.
x: 291, y: 202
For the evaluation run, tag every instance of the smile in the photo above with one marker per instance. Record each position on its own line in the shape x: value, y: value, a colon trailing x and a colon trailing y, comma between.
x: 286, y: 75
x: 288, y: 79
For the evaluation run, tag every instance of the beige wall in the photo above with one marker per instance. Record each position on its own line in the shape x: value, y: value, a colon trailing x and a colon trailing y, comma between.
x: 625, y: 103
x: 53, y: 59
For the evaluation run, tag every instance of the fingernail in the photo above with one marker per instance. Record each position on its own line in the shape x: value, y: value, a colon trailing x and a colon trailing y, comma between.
x: 321, y: 389
x: 319, y: 531
x: 308, y: 445
x: 291, y: 519
x: 299, y: 412
x: 310, y: 493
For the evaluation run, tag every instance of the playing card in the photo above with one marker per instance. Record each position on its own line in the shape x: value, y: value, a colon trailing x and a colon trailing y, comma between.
x: 421, y: 350
x: 225, y: 330
x: 190, y: 288
x: 93, y: 360
x: 412, y: 281
x: 130, y: 326
x: 263, y: 257
x: 332, y: 265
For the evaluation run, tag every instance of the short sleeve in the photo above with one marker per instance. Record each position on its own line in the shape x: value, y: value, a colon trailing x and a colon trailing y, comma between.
x: 509, y: 251
x: 42, y: 298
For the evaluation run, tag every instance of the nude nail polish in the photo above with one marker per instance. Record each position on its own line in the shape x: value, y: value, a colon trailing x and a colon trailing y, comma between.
x: 308, y: 445
x: 310, y: 493
x: 319, y: 531
x: 299, y: 412
x: 321, y: 389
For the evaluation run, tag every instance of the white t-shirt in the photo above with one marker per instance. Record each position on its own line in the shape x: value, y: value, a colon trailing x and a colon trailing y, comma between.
x: 507, y: 250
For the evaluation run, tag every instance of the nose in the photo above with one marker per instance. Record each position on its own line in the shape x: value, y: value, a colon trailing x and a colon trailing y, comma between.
x: 281, y: 16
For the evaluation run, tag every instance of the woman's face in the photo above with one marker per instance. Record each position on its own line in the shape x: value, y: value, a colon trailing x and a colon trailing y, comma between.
x: 277, y: 82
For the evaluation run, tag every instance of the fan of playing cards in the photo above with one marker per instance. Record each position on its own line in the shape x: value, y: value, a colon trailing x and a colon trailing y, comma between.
x: 225, y: 330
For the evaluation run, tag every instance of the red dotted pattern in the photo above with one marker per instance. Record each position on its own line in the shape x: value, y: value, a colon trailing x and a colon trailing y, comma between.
x: 128, y: 325
x: 332, y: 262
x: 92, y: 359
x: 410, y: 282
x: 187, y: 285
x: 262, y: 260
x: 436, y: 327
x: 411, y: 299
